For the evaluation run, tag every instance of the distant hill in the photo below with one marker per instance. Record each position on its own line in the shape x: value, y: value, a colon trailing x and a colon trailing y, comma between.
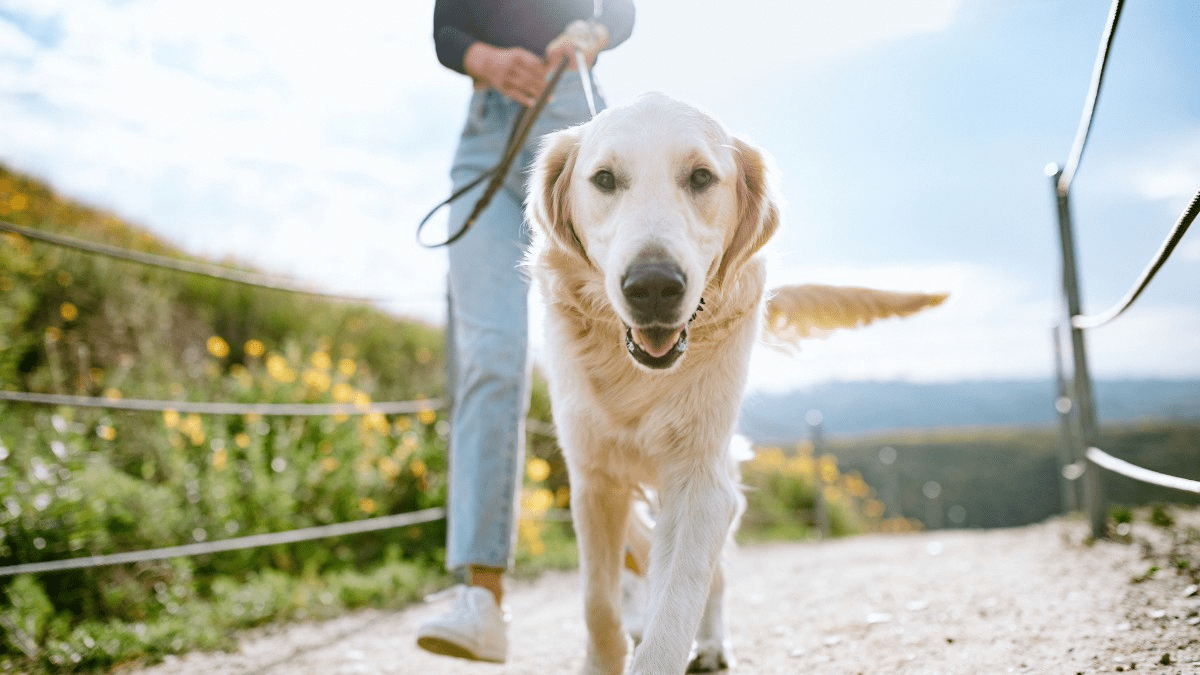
x: 859, y: 407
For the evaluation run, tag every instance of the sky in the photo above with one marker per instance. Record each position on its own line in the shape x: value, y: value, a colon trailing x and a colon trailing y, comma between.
x: 909, y: 138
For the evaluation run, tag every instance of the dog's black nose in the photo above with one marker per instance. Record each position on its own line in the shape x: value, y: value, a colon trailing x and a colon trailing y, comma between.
x: 654, y: 287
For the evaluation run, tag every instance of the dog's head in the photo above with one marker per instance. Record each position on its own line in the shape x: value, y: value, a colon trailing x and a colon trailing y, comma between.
x: 661, y: 202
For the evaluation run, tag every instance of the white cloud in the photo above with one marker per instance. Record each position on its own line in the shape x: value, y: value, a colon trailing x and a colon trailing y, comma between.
x: 992, y: 326
x: 686, y: 47
x: 1189, y: 250
x: 307, y: 143
x: 1170, y: 182
x: 1150, y: 341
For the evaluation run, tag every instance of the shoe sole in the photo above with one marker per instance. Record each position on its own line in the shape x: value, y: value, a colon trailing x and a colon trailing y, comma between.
x: 443, y: 647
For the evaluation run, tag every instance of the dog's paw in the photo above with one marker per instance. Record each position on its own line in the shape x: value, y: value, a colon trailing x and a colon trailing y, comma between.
x: 711, y: 657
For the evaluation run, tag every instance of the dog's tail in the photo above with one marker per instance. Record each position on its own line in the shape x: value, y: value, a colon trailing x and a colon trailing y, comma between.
x: 815, y: 310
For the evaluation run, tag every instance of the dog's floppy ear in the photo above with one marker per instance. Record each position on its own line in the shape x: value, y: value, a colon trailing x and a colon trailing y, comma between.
x: 547, y: 204
x: 758, y: 212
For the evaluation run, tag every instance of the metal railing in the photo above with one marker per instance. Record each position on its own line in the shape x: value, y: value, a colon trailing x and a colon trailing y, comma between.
x: 1076, y: 403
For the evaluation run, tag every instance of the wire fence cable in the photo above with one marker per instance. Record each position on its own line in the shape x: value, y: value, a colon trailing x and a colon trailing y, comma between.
x: 1136, y: 472
x: 205, y: 408
x: 1181, y: 226
x: 178, y: 265
x: 235, y: 544
x: 1089, y: 107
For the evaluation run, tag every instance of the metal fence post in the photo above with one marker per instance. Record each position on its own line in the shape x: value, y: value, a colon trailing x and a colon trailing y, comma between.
x: 1070, y: 464
x: 820, y: 506
x: 1085, y: 414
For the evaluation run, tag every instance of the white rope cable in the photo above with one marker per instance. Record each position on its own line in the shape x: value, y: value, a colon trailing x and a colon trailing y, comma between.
x: 1136, y: 472
x: 1089, y: 107
x: 175, y: 264
x: 1164, y: 252
x: 235, y: 544
x: 204, y: 408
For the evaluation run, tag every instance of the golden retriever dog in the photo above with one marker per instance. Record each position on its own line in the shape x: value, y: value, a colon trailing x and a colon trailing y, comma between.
x: 648, y: 221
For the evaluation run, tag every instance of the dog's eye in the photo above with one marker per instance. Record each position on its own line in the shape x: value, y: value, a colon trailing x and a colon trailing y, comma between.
x: 605, y: 180
x: 700, y: 179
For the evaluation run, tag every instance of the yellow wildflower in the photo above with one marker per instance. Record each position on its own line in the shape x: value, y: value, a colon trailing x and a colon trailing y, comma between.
x: 279, y: 370
x: 255, y: 348
x: 389, y: 468
x: 321, y: 360
x: 362, y: 400
x: 342, y: 392
x: 417, y: 467
x: 537, y: 469
x: 218, y: 347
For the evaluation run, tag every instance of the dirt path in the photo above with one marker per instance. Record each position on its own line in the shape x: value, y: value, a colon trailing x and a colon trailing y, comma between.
x: 1026, y: 600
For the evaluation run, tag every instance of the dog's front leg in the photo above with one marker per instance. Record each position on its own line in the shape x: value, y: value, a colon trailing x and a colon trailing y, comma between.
x: 713, y: 652
x: 698, y: 507
x: 600, y: 508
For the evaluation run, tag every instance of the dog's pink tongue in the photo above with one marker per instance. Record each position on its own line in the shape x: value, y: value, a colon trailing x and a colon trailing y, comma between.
x: 657, y: 341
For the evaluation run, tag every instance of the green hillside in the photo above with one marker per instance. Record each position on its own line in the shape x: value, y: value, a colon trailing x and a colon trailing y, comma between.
x: 82, y: 481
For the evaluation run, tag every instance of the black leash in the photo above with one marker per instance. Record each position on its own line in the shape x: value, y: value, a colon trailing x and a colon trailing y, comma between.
x: 497, y: 174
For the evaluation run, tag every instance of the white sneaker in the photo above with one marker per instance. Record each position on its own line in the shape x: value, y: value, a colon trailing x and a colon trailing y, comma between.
x: 475, y: 628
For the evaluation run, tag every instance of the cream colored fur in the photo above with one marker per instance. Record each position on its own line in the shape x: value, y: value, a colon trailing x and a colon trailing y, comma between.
x: 623, y: 425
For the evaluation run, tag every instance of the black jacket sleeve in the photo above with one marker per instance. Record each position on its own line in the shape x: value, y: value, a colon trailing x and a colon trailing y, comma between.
x: 453, y: 32
x: 617, y: 16
x: 531, y: 24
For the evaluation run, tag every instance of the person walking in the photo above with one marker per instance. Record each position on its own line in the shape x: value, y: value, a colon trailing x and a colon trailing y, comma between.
x: 508, y: 48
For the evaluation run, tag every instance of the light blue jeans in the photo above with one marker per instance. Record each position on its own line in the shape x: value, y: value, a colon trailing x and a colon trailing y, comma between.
x: 488, y: 329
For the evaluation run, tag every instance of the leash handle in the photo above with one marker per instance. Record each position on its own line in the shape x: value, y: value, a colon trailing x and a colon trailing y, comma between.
x: 516, y: 140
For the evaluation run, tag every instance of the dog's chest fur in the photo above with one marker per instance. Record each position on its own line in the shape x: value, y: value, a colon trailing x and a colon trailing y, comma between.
x: 599, y: 392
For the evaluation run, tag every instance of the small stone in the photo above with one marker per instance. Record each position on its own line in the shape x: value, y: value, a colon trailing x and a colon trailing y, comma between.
x: 1191, y: 590
x: 1165, y: 660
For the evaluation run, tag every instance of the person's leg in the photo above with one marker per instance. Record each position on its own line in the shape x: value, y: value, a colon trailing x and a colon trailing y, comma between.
x: 487, y: 354
x: 490, y: 297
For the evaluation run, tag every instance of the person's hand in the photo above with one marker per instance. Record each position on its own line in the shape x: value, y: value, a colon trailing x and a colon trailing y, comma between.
x: 514, y: 72
x: 586, y: 36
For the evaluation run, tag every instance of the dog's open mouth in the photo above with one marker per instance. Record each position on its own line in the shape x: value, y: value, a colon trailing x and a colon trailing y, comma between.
x: 656, y: 347
x: 659, y: 347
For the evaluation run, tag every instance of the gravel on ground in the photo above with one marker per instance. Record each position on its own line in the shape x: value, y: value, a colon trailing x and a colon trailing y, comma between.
x: 1036, y: 599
